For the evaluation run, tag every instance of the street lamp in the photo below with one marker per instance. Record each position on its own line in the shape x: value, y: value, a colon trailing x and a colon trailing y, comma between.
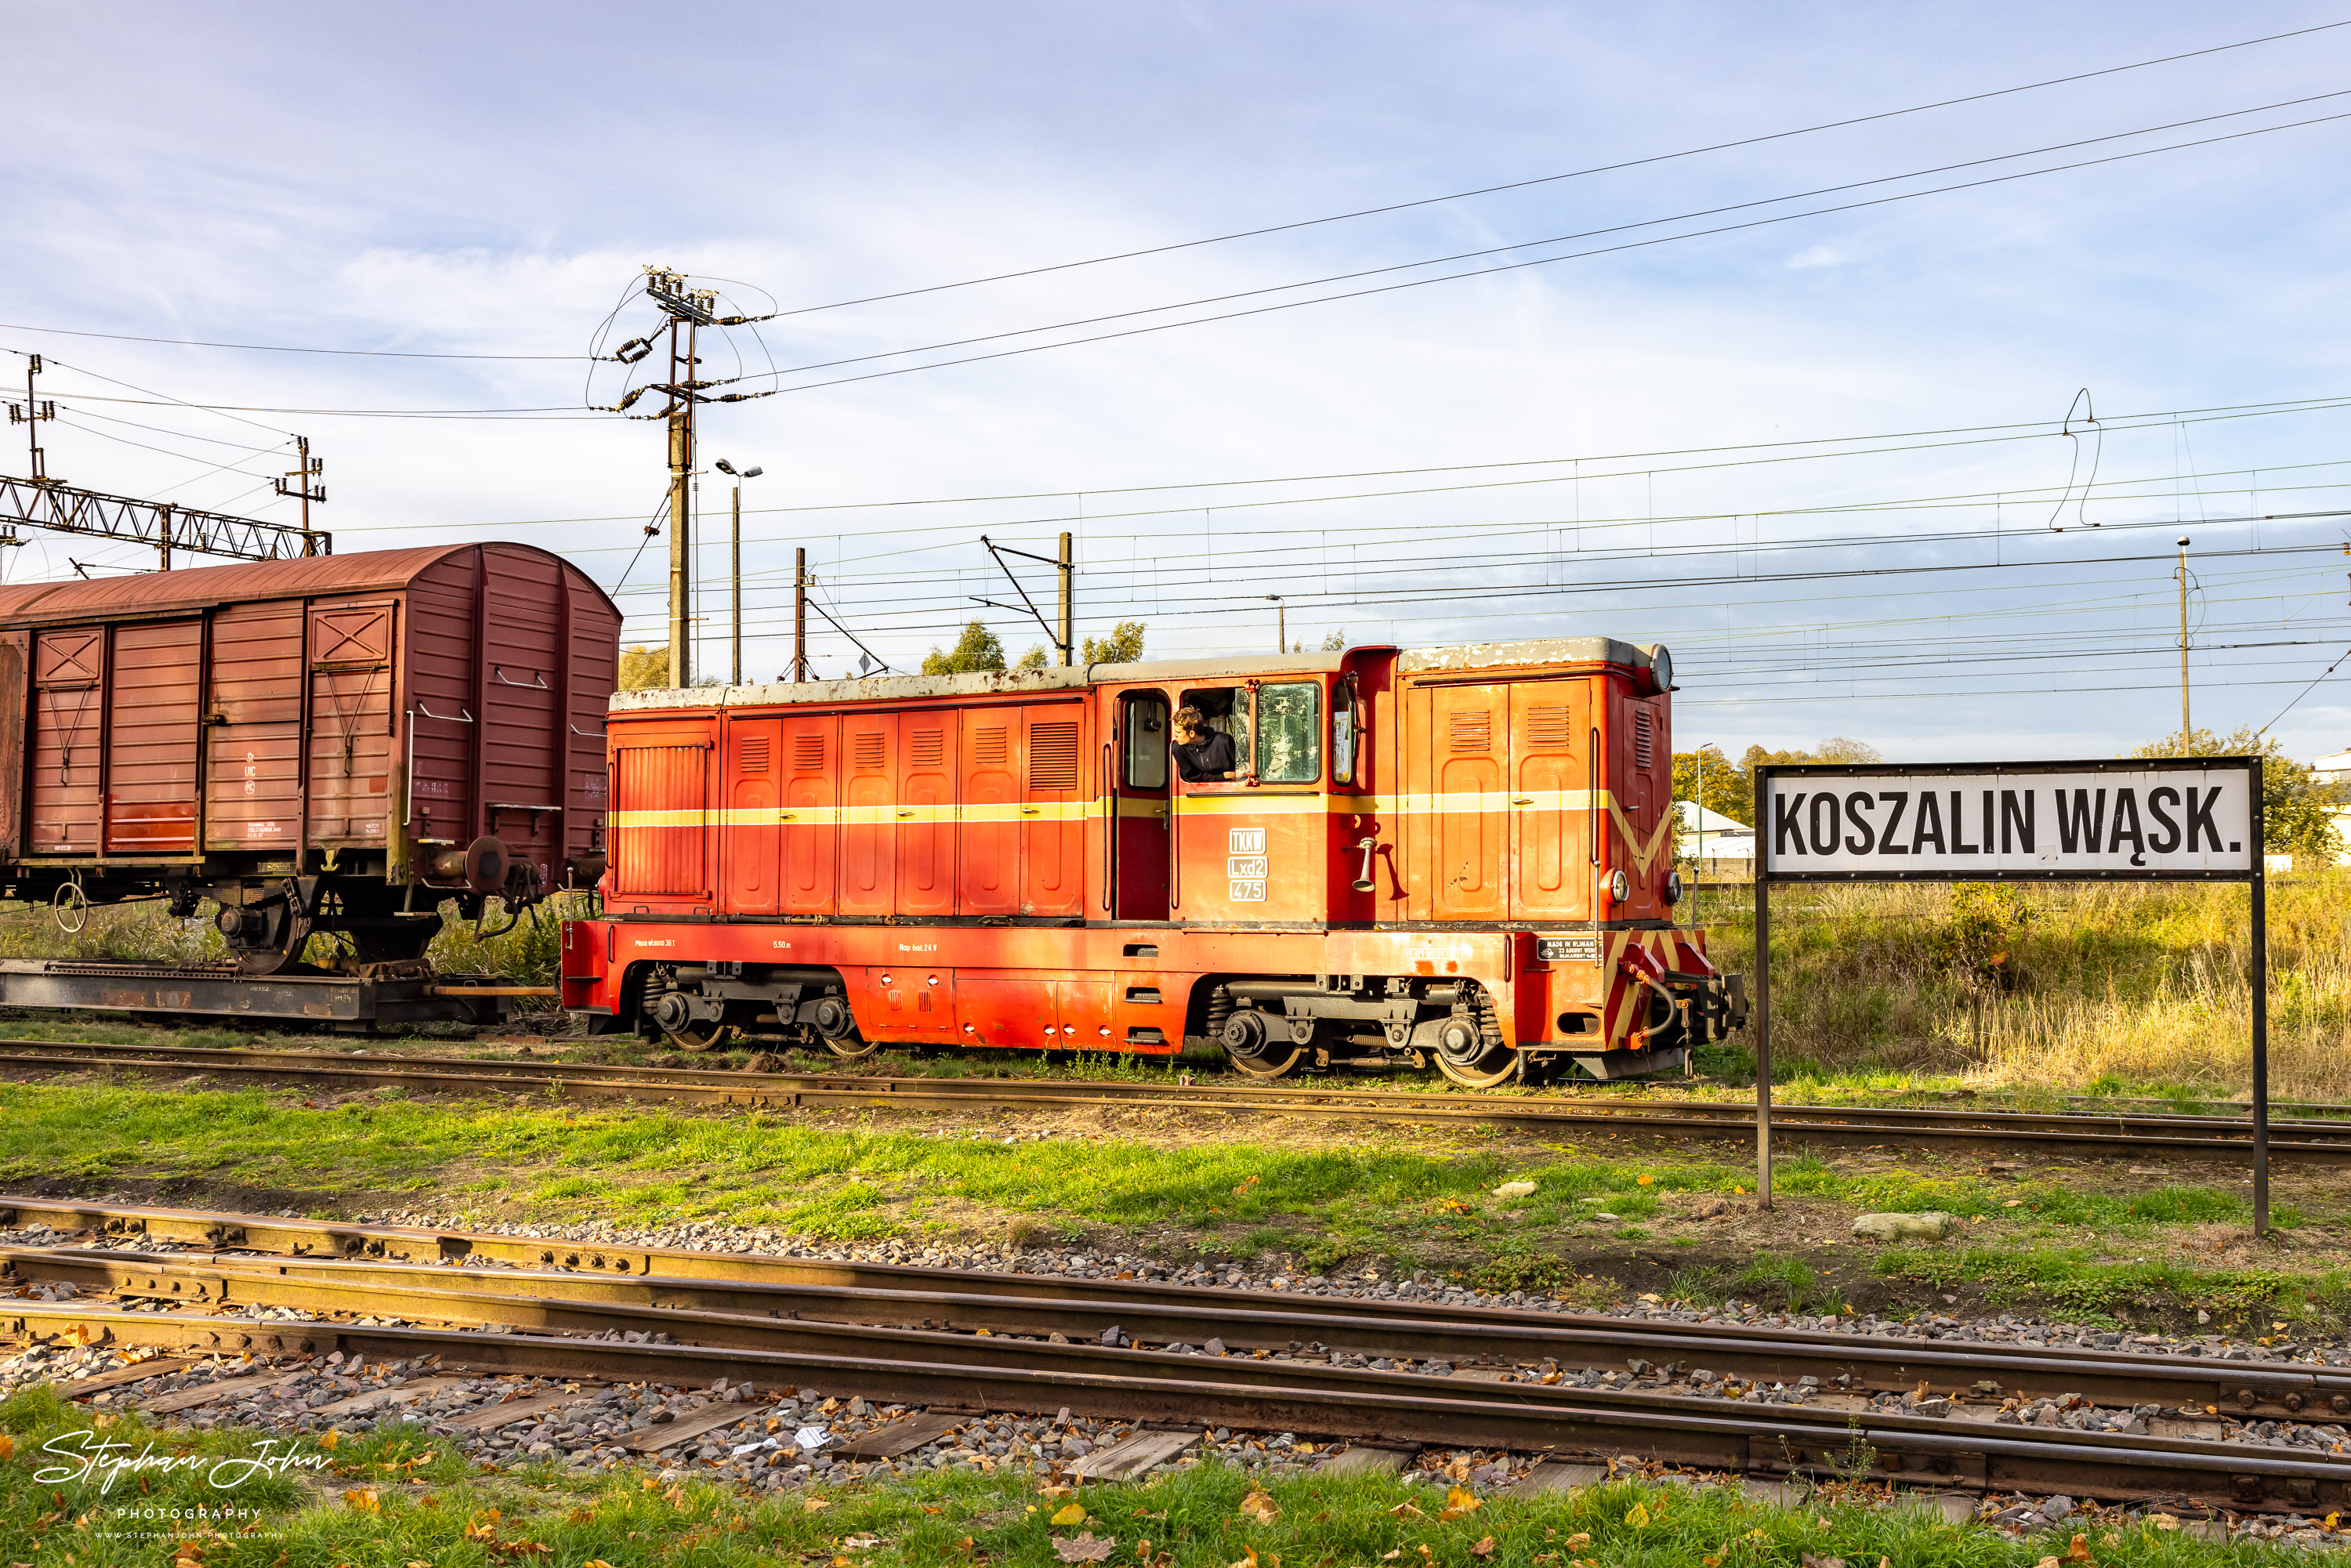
x: 1280, y: 623
x: 737, y: 574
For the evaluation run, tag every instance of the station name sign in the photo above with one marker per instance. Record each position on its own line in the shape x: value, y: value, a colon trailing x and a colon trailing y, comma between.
x: 2185, y: 819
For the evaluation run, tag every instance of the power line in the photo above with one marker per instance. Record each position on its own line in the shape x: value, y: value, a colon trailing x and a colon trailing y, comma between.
x: 1573, y: 174
x: 1589, y: 234
x: 276, y: 348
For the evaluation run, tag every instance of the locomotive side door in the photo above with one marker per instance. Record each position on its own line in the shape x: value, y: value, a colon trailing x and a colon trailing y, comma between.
x: 868, y: 813
x: 751, y: 829
x: 1467, y: 731
x: 1551, y: 813
x: 150, y: 801
x: 1143, y: 764
x: 811, y: 821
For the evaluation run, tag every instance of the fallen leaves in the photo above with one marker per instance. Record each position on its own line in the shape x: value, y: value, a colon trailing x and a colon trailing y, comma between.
x: 1087, y: 1548
x: 1261, y: 1508
x: 1638, y: 1516
x: 1812, y: 1562
x: 7, y: 1447
x: 1485, y: 1547
x: 1074, y: 1514
x: 2080, y: 1550
x: 334, y: 1435
x: 1459, y: 1502
x: 363, y: 1499
x: 1406, y: 1510
x: 815, y: 1504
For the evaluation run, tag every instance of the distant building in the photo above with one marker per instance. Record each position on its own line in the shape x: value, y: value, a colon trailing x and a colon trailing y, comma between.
x: 1717, y: 845
x: 2336, y: 770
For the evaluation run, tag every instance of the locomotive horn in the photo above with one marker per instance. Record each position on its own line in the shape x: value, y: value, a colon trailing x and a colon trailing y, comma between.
x: 1363, y: 883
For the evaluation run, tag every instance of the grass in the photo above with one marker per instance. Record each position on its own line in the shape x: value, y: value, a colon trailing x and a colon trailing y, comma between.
x: 2100, y: 988
x: 844, y: 1179
x: 397, y: 1497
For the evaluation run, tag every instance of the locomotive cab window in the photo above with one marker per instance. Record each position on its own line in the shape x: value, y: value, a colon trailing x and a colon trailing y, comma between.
x: 1146, y: 743
x: 1289, y: 733
x: 1345, y: 727
x: 1224, y: 711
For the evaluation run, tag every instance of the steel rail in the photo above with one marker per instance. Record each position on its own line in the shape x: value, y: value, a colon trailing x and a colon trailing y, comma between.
x: 2275, y: 1389
x: 2189, y: 1137
x: 1768, y: 1439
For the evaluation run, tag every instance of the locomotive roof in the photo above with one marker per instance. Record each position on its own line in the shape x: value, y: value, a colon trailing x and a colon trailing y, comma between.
x: 197, y: 587
x: 903, y: 688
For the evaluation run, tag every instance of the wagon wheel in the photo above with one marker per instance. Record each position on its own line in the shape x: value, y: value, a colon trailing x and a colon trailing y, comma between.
x: 266, y: 940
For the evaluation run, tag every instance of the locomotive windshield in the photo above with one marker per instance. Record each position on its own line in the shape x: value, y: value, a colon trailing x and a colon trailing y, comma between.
x: 1289, y: 733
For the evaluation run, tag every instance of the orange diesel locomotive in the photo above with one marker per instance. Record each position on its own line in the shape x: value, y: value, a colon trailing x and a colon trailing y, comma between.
x: 1459, y: 855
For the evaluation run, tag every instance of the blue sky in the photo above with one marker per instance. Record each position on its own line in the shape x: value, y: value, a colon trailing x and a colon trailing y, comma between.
x: 445, y: 180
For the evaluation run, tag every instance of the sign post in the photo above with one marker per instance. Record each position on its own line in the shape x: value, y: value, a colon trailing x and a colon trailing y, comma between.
x: 2169, y: 819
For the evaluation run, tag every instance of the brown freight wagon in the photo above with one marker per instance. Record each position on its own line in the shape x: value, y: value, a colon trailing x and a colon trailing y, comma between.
x: 329, y: 745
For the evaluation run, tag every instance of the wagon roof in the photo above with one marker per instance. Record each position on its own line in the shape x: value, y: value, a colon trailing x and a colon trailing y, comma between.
x: 985, y: 683
x: 197, y: 587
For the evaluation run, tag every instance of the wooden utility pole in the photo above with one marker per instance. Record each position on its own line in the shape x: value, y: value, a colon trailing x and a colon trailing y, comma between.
x: 1067, y: 574
x: 681, y: 477
x: 799, y: 614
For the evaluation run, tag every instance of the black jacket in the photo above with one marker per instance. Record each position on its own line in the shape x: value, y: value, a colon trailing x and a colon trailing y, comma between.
x: 1210, y: 757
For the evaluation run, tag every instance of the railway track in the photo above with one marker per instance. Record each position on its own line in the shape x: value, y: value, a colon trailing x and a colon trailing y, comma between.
x: 2135, y: 1135
x: 940, y: 1337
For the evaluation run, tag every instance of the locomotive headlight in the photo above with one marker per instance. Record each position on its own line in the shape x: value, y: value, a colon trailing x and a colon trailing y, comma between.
x: 1620, y: 887
x: 1673, y: 887
x: 1661, y: 667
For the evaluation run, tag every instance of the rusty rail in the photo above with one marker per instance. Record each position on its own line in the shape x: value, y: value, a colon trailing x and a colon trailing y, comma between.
x: 972, y: 1372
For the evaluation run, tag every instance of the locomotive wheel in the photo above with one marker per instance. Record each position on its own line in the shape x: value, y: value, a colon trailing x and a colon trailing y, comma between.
x: 1483, y: 1073
x: 1248, y: 1039
x: 1278, y: 1062
x: 700, y: 1036
x: 852, y: 1049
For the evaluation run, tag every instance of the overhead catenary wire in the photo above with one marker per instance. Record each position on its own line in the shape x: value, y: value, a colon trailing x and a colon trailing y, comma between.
x: 1689, y: 216
x: 1500, y: 267
x: 1572, y: 175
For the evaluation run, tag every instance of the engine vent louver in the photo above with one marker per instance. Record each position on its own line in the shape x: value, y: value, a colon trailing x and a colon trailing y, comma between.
x: 866, y: 752
x: 1053, y: 756
x: 1471, y: 731
x: 808, y: 753
x: 751, y: 756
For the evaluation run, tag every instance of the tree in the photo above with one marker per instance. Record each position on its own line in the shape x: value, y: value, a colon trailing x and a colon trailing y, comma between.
x: 978, y: 649
x: 1709, y: 778
x: 1335, y: 640
x: 1034, y: 659
x: 2297, y: 806
x: 1123, y: 646
x: 1835, y: 748
x: 644, y: 669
